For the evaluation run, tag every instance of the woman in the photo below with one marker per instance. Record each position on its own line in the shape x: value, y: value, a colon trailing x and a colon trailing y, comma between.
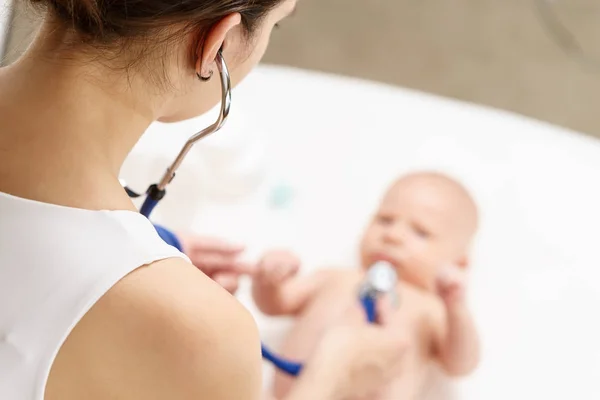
x: 93, y: 305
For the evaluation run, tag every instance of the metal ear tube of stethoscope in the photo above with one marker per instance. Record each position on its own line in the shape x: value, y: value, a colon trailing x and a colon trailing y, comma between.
x: 156, y: 192
x: 223, y: 114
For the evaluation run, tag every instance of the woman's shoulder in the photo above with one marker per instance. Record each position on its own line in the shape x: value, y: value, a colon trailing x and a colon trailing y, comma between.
x: 163, y: 331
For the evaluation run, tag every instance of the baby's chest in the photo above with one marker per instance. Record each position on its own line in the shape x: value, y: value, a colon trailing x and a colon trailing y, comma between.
x: 330, y: 308
x: 343, y: 303
x: 327, y: 311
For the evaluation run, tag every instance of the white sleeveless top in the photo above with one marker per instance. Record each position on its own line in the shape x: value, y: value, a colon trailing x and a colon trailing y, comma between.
x: 55, y: 263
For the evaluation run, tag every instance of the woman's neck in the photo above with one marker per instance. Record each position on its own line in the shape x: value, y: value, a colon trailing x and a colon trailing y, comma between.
x: 67, y: 125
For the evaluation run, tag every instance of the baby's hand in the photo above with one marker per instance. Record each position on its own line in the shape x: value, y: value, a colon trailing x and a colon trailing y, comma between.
x: 276, y: 267
x: 450, y: 285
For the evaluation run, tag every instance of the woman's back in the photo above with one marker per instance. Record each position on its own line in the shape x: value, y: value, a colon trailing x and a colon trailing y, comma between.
x: 76, y: 306
x: 56, y: 262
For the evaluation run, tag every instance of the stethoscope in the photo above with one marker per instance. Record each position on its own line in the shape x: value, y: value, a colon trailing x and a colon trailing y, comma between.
x: 380, y: 280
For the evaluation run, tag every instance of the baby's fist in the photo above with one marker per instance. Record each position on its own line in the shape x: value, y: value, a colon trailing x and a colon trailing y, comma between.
x: 276, y: 267
x: 450, y: 285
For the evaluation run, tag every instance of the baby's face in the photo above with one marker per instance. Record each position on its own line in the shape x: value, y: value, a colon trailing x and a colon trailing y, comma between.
x: 422, y: 224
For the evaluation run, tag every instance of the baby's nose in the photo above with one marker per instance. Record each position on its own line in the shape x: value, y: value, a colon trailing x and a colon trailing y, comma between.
x: 396, y: 234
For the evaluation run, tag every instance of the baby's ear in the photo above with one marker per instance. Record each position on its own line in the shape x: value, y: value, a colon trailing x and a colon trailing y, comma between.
x: 463, y: 262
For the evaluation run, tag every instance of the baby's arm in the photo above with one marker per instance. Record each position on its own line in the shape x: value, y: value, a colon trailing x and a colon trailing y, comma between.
x: 456, y: 342
x: 276, y: 288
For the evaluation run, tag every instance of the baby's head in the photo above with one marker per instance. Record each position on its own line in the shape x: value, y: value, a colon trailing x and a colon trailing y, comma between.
x: 425, y: 221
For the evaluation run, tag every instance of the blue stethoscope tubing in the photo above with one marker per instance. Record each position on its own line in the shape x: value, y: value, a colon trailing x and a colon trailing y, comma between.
x: 156, y: 192
x: 294, y: 368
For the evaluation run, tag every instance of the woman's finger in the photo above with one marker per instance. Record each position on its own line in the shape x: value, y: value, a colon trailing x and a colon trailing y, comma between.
x: 214, y: 263
x: 386, y: 309
x: 228, y: 281
x: 211, y: 262
x: 243, y: 268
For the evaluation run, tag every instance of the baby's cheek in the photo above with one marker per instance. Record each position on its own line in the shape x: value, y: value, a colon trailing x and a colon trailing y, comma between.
x: 412, y: 267
x: 427, y: 269
x: 368, y: 242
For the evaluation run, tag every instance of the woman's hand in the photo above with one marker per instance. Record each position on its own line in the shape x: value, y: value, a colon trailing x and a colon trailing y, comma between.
x: 353, y: 358
x: 216, y: 258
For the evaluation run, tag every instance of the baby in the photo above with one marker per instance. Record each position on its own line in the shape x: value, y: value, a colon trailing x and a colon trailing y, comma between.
x: 423, y: 227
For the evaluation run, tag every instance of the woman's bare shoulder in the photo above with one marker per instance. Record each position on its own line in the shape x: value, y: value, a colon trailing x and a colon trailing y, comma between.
x: 164, y: 331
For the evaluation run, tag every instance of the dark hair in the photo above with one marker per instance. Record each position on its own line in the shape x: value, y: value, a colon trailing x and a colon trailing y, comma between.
x: 106, y: 22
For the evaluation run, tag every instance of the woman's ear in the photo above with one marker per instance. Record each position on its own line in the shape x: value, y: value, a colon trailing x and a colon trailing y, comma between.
x: 217, y: 36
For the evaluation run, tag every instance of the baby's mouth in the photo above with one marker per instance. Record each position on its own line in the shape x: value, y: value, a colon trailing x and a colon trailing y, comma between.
x: 380, y: 256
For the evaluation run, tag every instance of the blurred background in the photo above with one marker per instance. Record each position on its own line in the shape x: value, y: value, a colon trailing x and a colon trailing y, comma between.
x: 516, y: 55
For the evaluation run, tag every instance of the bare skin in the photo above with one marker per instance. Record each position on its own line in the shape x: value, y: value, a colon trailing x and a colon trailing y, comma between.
x: 423, y: 226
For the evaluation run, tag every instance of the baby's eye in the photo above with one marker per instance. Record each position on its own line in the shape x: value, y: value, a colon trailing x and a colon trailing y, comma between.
x: 421, y: 232
x: 385, y: 220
